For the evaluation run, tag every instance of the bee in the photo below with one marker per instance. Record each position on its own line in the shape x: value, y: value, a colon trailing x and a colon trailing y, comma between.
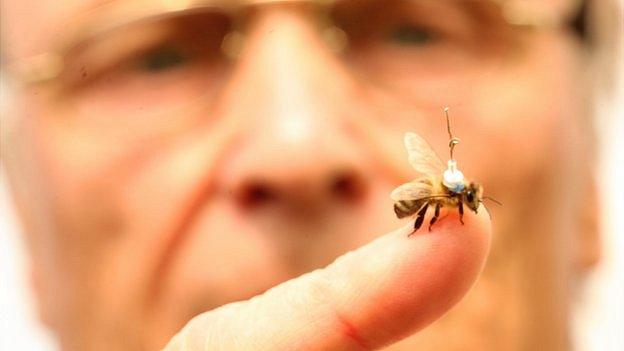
x: 437, y: 187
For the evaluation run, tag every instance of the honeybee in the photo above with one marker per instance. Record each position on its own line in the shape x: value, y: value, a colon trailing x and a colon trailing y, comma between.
x: 436, y: 187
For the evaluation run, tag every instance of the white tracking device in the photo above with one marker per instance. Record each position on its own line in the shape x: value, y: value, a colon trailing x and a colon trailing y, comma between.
x: 453, y: 178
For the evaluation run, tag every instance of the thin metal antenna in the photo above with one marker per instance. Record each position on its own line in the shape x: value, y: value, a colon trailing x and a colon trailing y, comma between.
x: 452, y: 140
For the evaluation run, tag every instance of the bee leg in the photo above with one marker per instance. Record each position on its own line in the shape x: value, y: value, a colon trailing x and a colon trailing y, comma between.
x: 435, y: 216
x: 420, y: 218
x: 461, y: 212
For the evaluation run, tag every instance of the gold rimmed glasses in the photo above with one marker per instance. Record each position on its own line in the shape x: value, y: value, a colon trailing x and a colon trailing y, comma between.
x: 148, y: 59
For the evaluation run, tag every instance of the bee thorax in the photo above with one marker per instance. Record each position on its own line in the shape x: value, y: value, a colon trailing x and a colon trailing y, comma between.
x: 453, y: 178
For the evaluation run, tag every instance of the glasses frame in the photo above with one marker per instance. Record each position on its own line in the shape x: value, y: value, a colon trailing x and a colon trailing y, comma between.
x: 45, y: 67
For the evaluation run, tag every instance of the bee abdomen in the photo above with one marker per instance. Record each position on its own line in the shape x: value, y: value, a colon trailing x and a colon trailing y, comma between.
x: 405, y: 208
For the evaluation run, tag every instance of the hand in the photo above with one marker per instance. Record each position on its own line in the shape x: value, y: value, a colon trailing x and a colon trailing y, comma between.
x: 366, y: 299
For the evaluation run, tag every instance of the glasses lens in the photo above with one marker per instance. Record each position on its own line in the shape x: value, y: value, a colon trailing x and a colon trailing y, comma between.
x: 148, y: 69
x: 424, y: 49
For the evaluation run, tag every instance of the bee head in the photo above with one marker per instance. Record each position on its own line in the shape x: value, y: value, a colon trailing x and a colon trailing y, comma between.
x: 471, y: 196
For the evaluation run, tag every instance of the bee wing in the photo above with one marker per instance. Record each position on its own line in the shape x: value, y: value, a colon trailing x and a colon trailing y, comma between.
x: 412, y: 191
x: 421, y: 155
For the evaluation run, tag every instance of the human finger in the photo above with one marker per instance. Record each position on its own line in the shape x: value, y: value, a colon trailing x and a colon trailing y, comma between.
x: 366, y: 299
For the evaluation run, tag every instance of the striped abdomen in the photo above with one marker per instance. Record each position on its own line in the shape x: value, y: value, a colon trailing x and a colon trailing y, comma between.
x: 406, y: 208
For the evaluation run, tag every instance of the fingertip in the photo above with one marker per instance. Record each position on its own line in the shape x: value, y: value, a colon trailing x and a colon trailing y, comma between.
x: 471, y: 230
x: 460, y: 241
x: 367, y: 299
x: 430, y: 275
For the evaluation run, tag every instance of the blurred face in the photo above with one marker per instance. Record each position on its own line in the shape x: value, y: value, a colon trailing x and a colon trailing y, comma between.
x: 172, y: 166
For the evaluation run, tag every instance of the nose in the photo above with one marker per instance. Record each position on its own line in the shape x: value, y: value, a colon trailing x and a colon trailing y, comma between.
x: 311, y: 170
x: 290, y: 94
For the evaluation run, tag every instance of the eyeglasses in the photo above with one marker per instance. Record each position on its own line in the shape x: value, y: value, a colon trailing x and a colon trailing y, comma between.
x: 147, y: 59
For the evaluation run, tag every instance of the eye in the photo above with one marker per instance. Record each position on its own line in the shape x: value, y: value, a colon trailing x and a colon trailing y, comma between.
x: 163, y: 59
x: 469, y: 197
x: 411, y: 35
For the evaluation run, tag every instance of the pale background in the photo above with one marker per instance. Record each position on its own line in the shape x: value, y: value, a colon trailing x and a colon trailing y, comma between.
x: 599, y: 316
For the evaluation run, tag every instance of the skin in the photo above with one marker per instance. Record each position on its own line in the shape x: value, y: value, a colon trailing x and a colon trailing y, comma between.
x: 132, y: 235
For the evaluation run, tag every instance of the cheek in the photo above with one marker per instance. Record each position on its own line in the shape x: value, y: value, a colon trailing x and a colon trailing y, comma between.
x: 517, y: 120
x: 208, y: 265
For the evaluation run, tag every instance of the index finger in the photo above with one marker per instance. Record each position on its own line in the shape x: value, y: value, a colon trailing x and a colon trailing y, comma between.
x: 368, y: 298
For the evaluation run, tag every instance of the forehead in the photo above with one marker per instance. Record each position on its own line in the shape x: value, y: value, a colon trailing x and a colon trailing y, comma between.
x: 30, y: 26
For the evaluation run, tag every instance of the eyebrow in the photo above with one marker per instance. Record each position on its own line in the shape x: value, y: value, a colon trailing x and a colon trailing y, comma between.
x: 102, y: 15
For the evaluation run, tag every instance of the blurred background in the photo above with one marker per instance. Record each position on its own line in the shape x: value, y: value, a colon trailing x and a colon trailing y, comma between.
x: 598, y: 314
x: 598, y: 318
